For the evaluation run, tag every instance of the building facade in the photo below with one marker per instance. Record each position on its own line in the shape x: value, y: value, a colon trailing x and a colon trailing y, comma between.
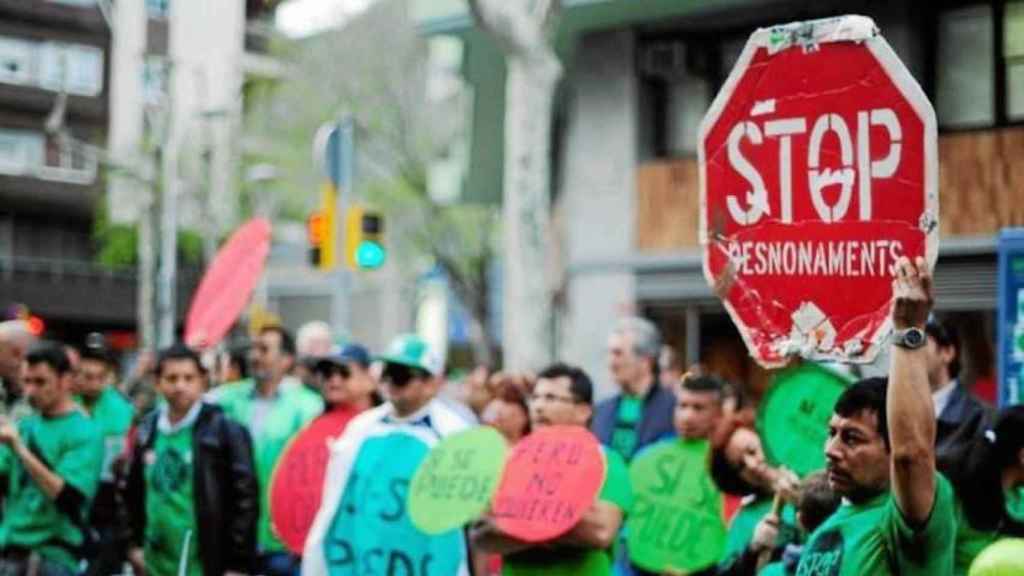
x: 639, y: 77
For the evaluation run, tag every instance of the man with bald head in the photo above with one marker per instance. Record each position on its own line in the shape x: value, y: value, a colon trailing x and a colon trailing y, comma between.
x: 15, y: 340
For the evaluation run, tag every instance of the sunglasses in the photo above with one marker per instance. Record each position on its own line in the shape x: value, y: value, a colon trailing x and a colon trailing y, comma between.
x: 400, y: 376
x: 333, y: 370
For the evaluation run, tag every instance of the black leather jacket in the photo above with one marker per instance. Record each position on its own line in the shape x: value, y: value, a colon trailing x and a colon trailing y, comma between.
x: 224, y: 486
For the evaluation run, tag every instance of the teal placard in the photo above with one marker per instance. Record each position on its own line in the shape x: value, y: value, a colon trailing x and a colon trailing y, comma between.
x: 793, y: 417
x: 676, y: 521
x: 372, y: 532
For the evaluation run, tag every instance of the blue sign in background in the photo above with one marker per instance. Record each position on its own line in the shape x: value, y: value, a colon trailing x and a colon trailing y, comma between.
x: 372, y: 532
x: 1011, y: 316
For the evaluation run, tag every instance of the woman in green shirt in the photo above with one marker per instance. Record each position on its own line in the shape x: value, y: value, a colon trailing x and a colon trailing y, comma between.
x: 987, y: 475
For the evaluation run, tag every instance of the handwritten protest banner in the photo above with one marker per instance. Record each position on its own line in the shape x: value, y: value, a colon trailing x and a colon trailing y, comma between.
x: 676, y: 522
x: 456, y: 481
x: 371, y: 532
x: 551, y: 479
x: 794, y: 415
x: 296, y: 486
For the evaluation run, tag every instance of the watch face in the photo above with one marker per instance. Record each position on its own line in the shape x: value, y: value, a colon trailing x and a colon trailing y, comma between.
x: 913, y: 337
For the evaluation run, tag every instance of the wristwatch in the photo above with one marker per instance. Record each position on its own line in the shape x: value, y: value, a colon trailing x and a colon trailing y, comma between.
x: 910, y: 338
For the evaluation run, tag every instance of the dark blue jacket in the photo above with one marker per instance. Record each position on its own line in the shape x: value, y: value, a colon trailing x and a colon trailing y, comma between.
x: 963, y: 419
x: 655, y: 421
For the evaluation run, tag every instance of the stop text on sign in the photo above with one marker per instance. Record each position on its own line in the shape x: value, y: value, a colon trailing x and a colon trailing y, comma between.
x: 856, y: 164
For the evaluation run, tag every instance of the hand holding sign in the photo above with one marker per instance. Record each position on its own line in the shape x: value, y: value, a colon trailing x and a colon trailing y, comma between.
x: 676, y: 522
x: 812, y: 185
x: 456, y: 481
x: 550, y: 480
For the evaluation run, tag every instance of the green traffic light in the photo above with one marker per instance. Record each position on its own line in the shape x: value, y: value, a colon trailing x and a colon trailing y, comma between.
x: 370, y: 255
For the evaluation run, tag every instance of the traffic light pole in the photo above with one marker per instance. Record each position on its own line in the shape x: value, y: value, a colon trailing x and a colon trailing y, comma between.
x: 345, y: 157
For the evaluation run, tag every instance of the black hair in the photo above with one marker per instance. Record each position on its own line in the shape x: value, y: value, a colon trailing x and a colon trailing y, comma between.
x: 867, y: 394
x: 727, y: 477
x: 49, y: 353
x: 287, y: 341
x: 238, y: 355
x: 580, y: 386
x: 817, y: 501
x: 704, y: 383
x: 97, y: 353
x: 975, y: 470
x: 178, y: 352
x: 946, y: 336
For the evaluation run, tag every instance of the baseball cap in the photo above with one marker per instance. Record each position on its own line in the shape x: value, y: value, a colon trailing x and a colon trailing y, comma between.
x: 341, y: 355
x: 414, y: 352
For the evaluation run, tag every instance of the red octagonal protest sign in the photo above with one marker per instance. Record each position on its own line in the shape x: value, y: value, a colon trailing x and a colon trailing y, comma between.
x: 818, y: 169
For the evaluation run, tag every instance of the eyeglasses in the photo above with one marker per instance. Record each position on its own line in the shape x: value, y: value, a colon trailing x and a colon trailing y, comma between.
x: 534, y: 398
x: 399, y: 375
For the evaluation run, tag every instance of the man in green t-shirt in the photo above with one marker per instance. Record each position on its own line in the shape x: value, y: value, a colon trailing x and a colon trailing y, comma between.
x: 51, y: 460
x: 898, y: 512
x: 190, y: 496
x: 274, y: 406
x: 563, y: 396
x: 112, y: 413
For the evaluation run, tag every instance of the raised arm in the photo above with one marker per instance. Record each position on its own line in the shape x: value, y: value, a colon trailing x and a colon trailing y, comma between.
x: 910, y: 412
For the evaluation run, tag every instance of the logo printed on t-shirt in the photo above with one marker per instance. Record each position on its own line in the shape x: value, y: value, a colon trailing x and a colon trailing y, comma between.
x: 824, y: 556
x: 169, y: 471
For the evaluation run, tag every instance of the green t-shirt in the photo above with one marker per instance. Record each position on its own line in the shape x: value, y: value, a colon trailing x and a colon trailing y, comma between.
x: 873, y: 539
x: 283, y: 417
x: 170, y: 507
x: 583, y: 562
x: 741, y: 529
x: 71, y: 447
x: 773, y: 569
x: 113, y: 414
x: 624, y: 438
x: 969, y: 542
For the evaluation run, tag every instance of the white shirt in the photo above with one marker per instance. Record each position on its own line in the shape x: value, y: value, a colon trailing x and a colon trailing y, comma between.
x: 441, y: 421
x: 940, y: 398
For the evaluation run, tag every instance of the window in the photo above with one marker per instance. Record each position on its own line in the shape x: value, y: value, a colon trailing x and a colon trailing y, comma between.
x: 67, y: 163
x: 964, y: 88
x: 21, y: 151
x: 76, y: 68
x: 1013, y: 54
x: 154, y: 80
x: 157, y: 9
x: 15, y: 61
x: 28, y: 153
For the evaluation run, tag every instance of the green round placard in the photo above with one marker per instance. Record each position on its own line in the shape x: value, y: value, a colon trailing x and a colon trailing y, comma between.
x: 457, y: 480
x: 676, y: 521
x: 1004, y: 557
x: 794, y: 415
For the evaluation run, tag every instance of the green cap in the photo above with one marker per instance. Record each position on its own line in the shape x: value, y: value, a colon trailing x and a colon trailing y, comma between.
x: 412, y: 351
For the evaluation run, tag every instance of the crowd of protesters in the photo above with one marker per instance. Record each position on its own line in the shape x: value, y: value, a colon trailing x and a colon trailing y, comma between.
x: 168, y: 472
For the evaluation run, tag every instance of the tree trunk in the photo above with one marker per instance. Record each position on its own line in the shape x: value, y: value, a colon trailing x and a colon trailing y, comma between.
x: 529, y: 101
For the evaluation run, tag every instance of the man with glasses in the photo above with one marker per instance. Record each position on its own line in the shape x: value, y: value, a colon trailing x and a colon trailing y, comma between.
x: 563, y: 396
x: 112, y: 413
x: 274, y: 406
x: 363, y: 525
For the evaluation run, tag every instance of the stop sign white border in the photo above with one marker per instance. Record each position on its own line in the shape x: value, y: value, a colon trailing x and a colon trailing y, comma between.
x: 808, y: 34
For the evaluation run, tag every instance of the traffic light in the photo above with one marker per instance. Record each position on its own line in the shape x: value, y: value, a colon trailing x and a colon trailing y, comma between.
x: 321, y: 229
x: 364, y: 239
